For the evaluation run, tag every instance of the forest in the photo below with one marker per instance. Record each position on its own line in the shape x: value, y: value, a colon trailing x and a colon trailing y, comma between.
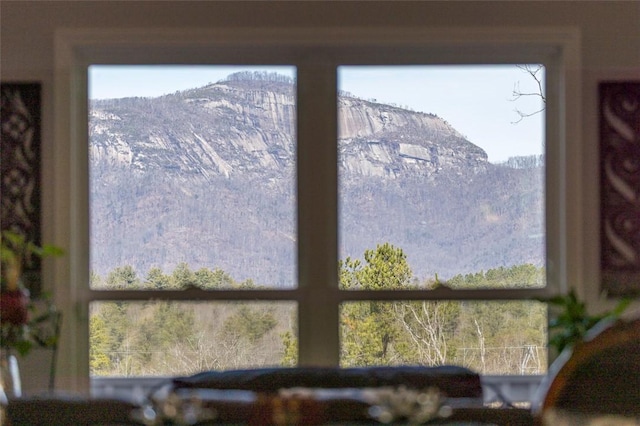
x: 159, y: 338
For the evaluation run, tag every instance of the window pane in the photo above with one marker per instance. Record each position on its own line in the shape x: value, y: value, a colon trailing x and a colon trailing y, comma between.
x: 192, y: 177
x: 441, y: 172
x: 488, y: 337
x: 180, y: 338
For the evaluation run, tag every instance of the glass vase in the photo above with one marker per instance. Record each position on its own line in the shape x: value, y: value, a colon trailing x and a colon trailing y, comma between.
x: 10, y: 383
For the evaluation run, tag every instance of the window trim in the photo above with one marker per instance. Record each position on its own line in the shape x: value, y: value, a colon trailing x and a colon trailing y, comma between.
x: 315, y: 52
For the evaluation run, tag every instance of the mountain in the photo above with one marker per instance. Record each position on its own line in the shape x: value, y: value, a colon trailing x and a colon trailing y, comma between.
x: 206, y: 176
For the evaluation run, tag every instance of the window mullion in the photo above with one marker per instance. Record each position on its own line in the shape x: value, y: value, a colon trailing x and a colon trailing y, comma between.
x: 445, y: 294
x: 193, y: 294
x: 317, y: 214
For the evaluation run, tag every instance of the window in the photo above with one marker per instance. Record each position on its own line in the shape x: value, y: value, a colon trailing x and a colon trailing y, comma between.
x: 191, y: 188
x: 321, y: 61
x: 428, y: 207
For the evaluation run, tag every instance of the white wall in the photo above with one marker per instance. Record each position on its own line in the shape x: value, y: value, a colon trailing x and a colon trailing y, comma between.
x: 610, y: 50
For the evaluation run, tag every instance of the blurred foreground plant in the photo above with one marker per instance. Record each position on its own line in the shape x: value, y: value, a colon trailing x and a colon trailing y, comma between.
x: 570, y: 319
x: 22, y: 324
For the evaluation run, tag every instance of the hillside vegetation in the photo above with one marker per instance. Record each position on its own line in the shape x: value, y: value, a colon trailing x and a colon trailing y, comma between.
x: 177, y: 338
x: 207, y: 176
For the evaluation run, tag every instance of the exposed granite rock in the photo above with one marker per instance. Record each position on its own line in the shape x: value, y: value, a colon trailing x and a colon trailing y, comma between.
x: 223, y: 149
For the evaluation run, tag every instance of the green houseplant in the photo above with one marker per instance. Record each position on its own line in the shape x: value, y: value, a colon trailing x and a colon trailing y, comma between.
x: 21, y: 327
x: 570, y: 320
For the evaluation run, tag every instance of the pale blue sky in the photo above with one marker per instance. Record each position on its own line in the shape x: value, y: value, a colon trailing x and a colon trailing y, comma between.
x: 476, y: 100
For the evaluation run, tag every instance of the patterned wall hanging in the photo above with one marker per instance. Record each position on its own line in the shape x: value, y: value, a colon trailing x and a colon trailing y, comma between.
x: 620, y: 187
x: 20, y: 166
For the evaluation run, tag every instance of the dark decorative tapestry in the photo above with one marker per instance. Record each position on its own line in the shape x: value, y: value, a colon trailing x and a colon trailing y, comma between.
x: 20, y: 147
x: 620, y: 187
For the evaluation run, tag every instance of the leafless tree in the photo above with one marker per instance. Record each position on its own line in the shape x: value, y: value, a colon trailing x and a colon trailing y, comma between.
x: 535, y: 72
x: 481, y: 344
x: 425, y: 325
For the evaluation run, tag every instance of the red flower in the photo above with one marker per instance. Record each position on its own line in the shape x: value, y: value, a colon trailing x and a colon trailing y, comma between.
x: 14, y: 306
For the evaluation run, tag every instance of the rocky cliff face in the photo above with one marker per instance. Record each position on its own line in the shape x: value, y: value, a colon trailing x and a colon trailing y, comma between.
x: 243, y: 126
x: 218, y: 130
x: 206, y: 146
x: 386, y: 141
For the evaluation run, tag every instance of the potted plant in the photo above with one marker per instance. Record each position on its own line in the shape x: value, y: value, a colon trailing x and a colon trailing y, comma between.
x: 21, y: 326
x: 570, y: 320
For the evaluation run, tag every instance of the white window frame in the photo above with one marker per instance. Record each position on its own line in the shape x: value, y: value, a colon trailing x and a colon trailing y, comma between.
x: 316, y: 53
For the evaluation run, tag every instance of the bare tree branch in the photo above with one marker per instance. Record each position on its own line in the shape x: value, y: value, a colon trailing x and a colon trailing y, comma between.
x: 535, y: 72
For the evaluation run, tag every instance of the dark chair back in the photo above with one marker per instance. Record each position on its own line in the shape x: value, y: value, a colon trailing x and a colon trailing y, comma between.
x: 598, y: 376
